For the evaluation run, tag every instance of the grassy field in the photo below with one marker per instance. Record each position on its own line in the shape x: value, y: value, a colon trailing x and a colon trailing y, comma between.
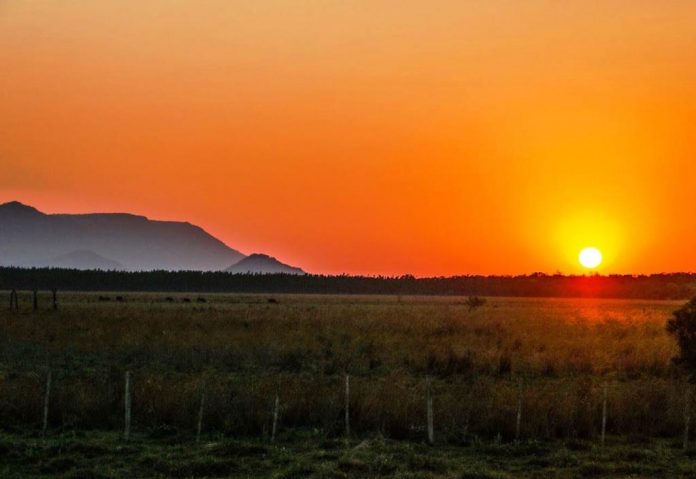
x: 546, y: 360
x: 300, y: 455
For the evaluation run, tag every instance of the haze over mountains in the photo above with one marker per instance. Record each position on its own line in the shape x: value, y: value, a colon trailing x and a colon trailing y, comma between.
x: 116, y: 241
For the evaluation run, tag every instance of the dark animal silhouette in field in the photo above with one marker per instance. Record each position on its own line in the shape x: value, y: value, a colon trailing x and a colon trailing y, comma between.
x: 185, y: 300
x: 201, y: 299
x: 104, y: 298
x: 272, y: 300
x: 119, y: 299
x: 169, y: 299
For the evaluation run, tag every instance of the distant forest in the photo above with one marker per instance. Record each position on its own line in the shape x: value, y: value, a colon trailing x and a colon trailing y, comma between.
x: 657, y: 286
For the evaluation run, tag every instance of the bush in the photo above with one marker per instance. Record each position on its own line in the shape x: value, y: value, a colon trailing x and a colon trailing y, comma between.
x: 474, y: 302
x: 683, y: 327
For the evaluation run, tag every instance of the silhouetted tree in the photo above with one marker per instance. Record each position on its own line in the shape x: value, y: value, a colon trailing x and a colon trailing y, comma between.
x: 683, y: 327
x: 657, y: 286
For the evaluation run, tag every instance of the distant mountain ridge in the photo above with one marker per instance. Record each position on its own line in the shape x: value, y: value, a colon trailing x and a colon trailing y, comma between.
x: 30, y: 238
x: 85, y: 260
x: 262, y: 264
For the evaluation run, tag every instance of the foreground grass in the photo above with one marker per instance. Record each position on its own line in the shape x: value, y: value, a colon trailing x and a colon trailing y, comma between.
x: 307, y: 454
x: 245, y: 348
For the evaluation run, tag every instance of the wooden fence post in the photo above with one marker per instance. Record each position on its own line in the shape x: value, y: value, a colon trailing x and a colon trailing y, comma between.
x: 54, y: 292
x: 47, y: 397
x: 518, y: 419
x: 604, y: 414
x: 14, y: 304
x: 199, y: 426
x: 127, y: 408
x: 276, y: 408
x: 347, y: 405
x: 467, y: 417
x: 687, y: 415
x: 35, y: 302
x: 429, y: 409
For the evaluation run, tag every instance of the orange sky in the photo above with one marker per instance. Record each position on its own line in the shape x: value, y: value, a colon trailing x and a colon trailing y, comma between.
x: 376, y: 137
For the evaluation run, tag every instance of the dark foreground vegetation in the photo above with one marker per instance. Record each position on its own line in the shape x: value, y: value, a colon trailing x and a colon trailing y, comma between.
x: 518, y: 387
x: 658, y: 286
x: 306, y: 454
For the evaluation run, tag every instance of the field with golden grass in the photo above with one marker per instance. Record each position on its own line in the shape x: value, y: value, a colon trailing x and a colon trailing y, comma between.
x: 517, y: 387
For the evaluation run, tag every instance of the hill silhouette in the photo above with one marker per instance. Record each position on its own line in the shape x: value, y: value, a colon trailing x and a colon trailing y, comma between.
x: 30, y: 238
x: 84, y: 259
x: 262, y: 264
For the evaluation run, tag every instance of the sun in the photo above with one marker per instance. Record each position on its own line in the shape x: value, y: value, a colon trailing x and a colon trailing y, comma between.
x: 590, y: 257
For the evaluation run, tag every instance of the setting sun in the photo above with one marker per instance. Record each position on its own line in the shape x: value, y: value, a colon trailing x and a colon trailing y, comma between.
x: 590, y: 257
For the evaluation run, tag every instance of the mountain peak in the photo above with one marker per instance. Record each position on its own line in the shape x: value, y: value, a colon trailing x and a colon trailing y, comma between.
x: 17, y: 209
x: 259, y: 263
x: 260, y: 256
x: 29, y: 238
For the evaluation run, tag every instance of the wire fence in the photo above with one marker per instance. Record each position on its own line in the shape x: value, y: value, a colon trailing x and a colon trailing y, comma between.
x: 451, y: 410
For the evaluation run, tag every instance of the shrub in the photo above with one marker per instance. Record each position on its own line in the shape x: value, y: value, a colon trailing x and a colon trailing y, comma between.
x: 474, y: 302
x: 683, y: 327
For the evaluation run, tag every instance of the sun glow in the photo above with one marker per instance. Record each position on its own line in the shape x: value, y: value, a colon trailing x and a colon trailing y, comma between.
x: 590, y: 257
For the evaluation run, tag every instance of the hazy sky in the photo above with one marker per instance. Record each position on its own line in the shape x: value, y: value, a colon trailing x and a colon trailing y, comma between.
x: 380, y: 136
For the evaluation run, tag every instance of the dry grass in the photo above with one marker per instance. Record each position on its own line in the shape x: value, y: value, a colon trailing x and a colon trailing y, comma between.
x: 244, y: 345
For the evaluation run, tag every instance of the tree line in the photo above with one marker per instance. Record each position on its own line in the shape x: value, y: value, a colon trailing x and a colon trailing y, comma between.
x: 655, y: 286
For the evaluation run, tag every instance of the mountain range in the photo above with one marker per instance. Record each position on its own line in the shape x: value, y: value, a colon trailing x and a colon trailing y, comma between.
x: 118, y: 241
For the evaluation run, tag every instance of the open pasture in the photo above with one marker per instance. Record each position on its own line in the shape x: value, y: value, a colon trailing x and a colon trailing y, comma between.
x: 511, y: 371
